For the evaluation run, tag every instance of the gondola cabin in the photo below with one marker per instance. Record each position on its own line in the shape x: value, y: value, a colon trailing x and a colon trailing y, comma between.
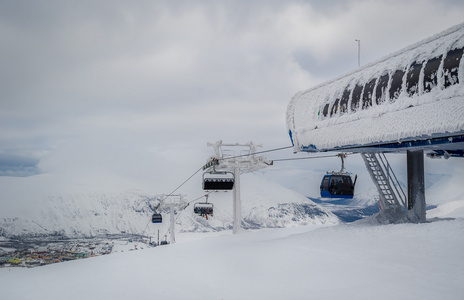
x: 218, y: 181
x: 337, y: 186
x: 156, y: 218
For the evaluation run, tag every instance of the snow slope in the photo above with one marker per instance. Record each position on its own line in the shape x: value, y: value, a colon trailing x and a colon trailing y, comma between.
x: 345, y: 261
x: 71, y: 213
x: 407, y: 261
x: 321, y: 260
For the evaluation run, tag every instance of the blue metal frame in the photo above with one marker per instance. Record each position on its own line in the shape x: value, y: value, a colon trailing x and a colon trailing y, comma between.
x: 453, y: 143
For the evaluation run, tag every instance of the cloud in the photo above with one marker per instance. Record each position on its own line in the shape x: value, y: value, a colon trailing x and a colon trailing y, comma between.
x: 92, y: 85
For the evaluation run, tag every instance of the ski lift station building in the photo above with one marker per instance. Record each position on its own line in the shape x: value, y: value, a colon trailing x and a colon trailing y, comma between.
x: 410, y: 101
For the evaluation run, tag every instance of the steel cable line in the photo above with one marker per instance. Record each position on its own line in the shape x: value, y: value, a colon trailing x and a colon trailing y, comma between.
x: 170, y: 194
x: 188, y: 203
x: 259, y: 152
x: 283, y: 159
x: 298, y: 158
x: 181, y: 210
x: 243, y: 155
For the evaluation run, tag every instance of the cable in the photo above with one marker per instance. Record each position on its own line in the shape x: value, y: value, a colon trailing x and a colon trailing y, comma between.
x: 249, y: 154
x: 259, y: 152
x: 200, y: 197
x: 148, y: 223
x: 181, y: 210
x: 313, y: 157
x: 188, y: 203
x: 170, y: 194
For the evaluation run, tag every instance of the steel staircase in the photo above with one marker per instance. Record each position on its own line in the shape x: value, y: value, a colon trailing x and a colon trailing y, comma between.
x: 389, y: 188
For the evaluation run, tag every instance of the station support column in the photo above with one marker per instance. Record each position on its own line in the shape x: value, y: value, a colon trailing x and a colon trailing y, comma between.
x: 237, y: 202
x: 416, y: 186
x: 172, y: 229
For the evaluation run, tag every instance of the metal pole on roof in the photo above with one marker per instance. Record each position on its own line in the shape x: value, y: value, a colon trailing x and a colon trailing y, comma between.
x: 359, y: 52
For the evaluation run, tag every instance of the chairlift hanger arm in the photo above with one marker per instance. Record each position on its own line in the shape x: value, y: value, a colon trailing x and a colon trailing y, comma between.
x: 212, y: 163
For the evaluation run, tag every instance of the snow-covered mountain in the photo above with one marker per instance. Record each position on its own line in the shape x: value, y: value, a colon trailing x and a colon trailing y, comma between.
x: 353, y: 261
x: 83, y: 206
x: 89, y: 213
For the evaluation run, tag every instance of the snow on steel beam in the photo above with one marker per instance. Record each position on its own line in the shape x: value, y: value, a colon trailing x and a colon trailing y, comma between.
x: 413, y: 98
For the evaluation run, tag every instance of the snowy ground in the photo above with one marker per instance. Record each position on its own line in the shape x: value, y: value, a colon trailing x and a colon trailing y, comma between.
x: 407, y: 261
x: 350, y: 261
x: 319, y: 261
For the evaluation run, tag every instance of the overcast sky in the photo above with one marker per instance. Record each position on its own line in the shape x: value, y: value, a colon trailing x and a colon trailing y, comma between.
x: 141, y: 86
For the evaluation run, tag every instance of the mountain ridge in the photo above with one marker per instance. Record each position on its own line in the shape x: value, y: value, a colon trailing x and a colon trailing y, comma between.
x: 265, y: 204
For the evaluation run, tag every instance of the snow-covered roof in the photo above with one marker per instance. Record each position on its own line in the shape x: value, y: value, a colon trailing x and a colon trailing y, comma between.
x: 413, y: 98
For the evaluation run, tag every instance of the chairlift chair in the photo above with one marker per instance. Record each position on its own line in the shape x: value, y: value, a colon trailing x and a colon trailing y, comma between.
x: 218, y: 181
x: 203, y: 208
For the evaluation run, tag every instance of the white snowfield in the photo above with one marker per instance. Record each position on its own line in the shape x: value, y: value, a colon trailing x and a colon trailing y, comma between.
x: 438, y: 112
x: 406, y: 261
x: 318, y: 261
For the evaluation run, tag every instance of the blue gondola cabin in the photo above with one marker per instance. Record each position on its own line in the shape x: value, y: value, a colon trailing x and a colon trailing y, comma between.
x: 337, y: 186
x: 156, y: 218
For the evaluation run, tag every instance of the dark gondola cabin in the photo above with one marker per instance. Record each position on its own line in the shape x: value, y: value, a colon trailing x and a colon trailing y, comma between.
x: 337, y: 186
x: 156, y: 218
